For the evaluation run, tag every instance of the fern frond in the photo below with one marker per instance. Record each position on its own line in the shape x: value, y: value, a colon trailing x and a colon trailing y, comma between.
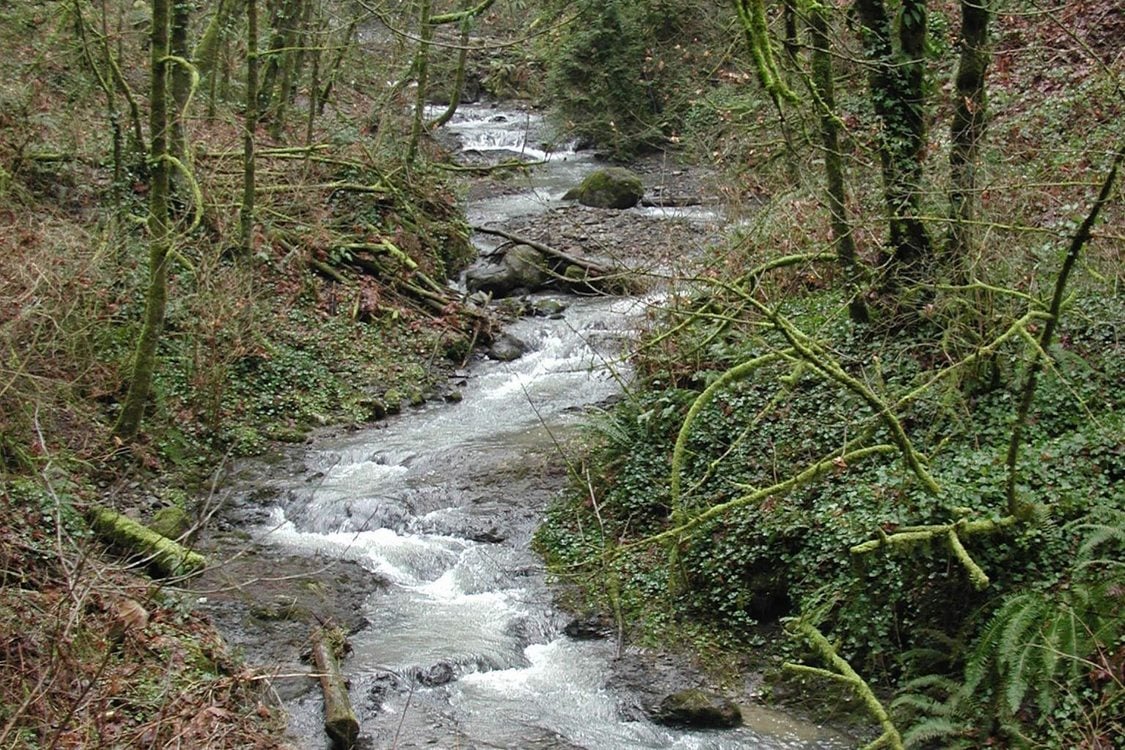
x: 936, y: 728
x: 913, y: 704
x: 936, y: 682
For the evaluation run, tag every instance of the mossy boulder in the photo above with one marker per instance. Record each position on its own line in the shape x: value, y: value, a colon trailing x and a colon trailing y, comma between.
x: 697, y: 709
x: 522, y: 269
x: 613, y: 187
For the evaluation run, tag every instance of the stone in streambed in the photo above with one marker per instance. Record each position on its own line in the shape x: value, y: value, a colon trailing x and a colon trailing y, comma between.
x: 507, y: 348
x: 522, y: 268
x: 614, y: 187
x: 697, y: 709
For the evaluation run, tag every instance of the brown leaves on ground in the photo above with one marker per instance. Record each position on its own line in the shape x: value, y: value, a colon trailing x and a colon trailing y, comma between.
x: 92, y: 656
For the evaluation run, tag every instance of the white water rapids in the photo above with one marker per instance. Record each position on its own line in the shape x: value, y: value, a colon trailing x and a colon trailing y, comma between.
x: 464, y: 647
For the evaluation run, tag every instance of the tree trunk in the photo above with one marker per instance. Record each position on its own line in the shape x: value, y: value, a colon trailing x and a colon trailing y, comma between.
x: 422, y: 68
x: 161, y: 554
x: 458, y: 81
x: 160, y: 231
x: 896, y: 87
x: 284, y: 21
x: 291, y: 62
x: 206, y: 53
x: 181, y: 77
x: 824, y: 88
x: 966, y: 131
x: 334, y: 70
x: 246, y: 215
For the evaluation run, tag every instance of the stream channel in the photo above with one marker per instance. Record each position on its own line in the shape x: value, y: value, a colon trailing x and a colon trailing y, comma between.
x: 463, y: 646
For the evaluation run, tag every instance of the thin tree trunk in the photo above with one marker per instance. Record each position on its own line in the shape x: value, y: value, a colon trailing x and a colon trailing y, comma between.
x: 160, y: 229
x: 206, y: 55
x: 422, y: 68
x: 824, y: 88
x: 283, y: 23
x: 314, y: 84
x: 458, y: 81
x: 181, y: 77
x: 107, y: 86
x: 896, y: 86
x: 334, y: 70
x: 967, y: 130
x: 247, y: 213
x: 291, y: 61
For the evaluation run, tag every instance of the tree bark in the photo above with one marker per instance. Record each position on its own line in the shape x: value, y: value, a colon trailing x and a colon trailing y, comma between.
x: 458, y: 81
x: 284, y: 22
x: 895, y: 80
x: 969, y: 119
x: 824, y: 88
x: 246, y: 215
x: 422, y: 69
x: 206, y: 53
x: 160, y: 231
x: 181, y: 77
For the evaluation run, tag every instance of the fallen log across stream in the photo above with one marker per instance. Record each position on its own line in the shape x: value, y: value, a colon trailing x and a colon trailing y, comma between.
x: 575, y: 271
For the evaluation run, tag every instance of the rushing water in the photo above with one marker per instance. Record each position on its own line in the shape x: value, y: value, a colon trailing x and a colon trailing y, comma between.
x: 464, y: 647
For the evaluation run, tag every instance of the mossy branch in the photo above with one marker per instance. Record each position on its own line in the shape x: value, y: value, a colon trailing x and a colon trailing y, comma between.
x: 890, y: 737
x: 752, y: 15
x: 731, y: 376
x: 462, y: 15
x: 165, y: 556
x: 835, y: 461
x: 951, y: 533
x: 193, y: 185
x: 822, y: 362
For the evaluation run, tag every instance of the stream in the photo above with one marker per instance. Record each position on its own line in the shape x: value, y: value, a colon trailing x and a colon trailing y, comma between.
x: 463, y: 646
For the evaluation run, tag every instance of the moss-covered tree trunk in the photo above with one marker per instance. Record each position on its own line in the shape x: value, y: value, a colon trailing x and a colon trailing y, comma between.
x: 458, y: 80
x: 159, y: 227
x: 824, y: 89
x: 206, y: 55
x: 285, y: 18
x: 896, y: 83
x: 181, y: 76
x: 291, y: 61
x: 246, y: 215
x: 969, y: 118
x: 422, y: 71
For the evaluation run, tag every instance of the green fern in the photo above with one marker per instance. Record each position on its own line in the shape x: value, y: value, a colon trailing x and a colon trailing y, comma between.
x: 1036, y: 649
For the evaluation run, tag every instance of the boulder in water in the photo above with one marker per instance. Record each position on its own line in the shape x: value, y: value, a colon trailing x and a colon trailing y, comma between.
x: 697, y: 709
x: 506, y: 348
x: 614, y: 187
x: 522, y: 268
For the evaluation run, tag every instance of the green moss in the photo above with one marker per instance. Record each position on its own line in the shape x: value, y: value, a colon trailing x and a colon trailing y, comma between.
x: 614, y: 187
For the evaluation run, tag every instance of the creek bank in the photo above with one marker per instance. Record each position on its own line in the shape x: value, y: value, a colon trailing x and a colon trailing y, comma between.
x: 445, y: 502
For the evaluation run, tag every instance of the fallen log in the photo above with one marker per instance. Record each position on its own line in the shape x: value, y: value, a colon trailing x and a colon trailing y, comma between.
x: 575, y: 272
x: 166, y: 557
x: 590, y: 266
x: 339, y: 719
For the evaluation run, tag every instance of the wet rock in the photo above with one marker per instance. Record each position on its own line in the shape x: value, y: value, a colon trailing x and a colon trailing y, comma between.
x: 614, y: 187
x: 441, y: 673
x: 594, y: 627
x: 547, y: 308
x: 697, y: 709
x: 522, y: 268
x: 506, y: 348
x: 487, y: 536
